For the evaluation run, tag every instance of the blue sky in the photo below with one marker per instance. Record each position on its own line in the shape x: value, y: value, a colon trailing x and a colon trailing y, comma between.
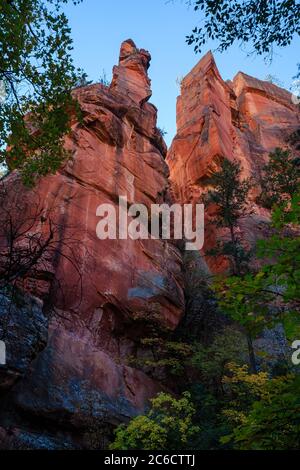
x: 99, y: 27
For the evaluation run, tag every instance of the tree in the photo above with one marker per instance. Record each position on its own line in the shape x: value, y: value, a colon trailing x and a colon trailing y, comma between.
x: 261, y: 299
x: 248, y: 305
x: 296, y: 90
x: 31, y: 239
x: 103, y: 79
x: 281, y: 178
x: 201, y: 317
x: 284, y: 247
x: 230, y: 195
x: 241, y: 389
x: 167, y: 426
x: 38, y: 75
x: 274, y: 80
x: 260, y: 23
x: 211, y: 361
x: 279, y: 277
x: 272, y: 422
x: 167, y: 357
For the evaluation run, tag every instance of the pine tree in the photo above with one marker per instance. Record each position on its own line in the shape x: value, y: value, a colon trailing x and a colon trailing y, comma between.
x: 230, y: 194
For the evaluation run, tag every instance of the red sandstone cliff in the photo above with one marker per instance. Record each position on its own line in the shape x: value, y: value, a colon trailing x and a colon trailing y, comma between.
x: 104, y: 300
x: 244, y: 119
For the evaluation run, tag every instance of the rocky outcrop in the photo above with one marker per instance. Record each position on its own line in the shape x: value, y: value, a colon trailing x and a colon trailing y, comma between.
x: 130, y: 76
x: 104, y: 293
x: 244, y: 119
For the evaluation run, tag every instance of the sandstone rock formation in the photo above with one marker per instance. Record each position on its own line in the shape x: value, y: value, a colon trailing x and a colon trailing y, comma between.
x: 88, y: 301
x: 104, y: 293
x: 244, y: 119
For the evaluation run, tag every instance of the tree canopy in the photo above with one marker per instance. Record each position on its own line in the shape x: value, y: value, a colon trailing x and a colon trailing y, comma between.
x: 167, y: 426
x: 37, y: 75
x: 259, y: 23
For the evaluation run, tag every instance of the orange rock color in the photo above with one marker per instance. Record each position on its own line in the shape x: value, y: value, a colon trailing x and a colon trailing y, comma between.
x: 114, y: 288
x: 244, y: 119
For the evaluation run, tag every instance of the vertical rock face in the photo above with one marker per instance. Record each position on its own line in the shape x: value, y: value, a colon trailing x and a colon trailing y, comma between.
x: 103, y: 300
x: 130, y: 77
x: 244, y: 119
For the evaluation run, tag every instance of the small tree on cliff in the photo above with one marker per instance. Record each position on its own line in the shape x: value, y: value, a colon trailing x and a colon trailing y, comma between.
x: 281, y: 178
x: 230, y: 195
x: 271, y: 295
x: 36, y: 78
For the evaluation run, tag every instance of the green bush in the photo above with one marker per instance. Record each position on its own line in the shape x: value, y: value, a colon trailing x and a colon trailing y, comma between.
x: 167, y: 426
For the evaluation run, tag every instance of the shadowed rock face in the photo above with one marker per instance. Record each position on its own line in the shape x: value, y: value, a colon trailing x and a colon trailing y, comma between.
x: 23, y: 328
x: 102, y: 302
x: 244, y: 119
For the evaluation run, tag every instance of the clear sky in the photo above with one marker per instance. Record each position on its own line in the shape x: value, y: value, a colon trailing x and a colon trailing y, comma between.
x: 160, y: 26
